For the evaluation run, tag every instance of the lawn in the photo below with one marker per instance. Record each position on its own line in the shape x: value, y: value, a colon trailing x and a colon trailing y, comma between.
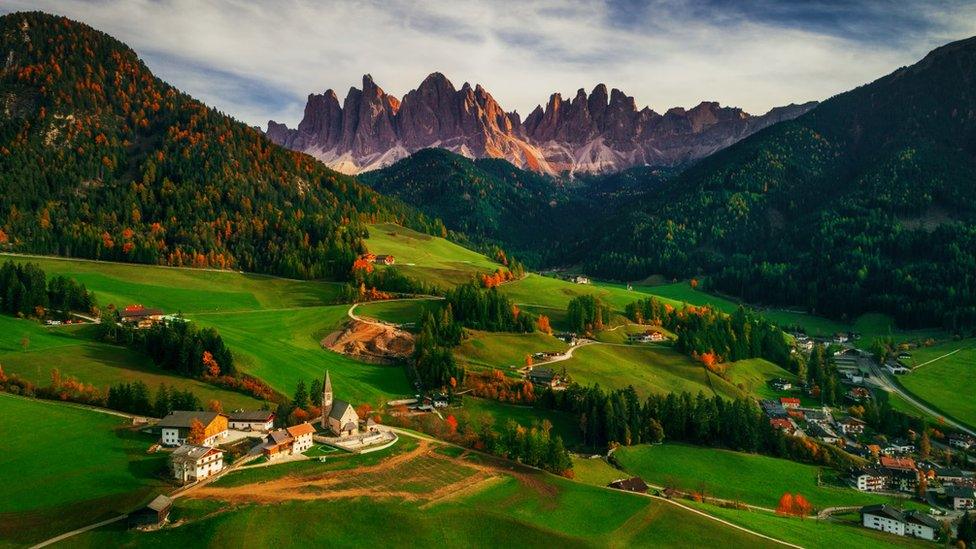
x: 751, y: 376
x: 650, y: 369
x: 72, y: 467
x: 814, y: 534
x: 70, y: 350
x: 502, y: 349
x: 397, y: 312
x: 429, y: 258
x: 187, y: 290
x: 544, y: 292
x: 938, y: 381
x: 283, y: 346
x: 750, y: 478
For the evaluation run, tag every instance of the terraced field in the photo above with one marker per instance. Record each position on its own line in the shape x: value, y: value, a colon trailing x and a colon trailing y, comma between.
x: 446, y: 498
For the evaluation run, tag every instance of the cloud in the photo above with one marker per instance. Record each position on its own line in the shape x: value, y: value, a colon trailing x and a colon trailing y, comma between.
x: 259, y: 60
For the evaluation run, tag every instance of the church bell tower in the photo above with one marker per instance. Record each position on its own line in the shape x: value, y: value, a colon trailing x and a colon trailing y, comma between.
x: 326, y: 400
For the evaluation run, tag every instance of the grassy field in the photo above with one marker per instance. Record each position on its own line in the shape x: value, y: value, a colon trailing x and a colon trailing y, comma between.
x: 186, y: 290
x: 563, y: 423
x: 751, y: 377
x: 397, y: 312
x: 595, y: 471
x: 814, y: 534
x: 938, y: 381
x: 650, y: 369
x: 429, y: 258
x: 547, y: 292
x: 503, y: 350
x: 750, y: 478
x: 283, y: 346
x: 489, y: 503
x: 71, y: 350
x: 72, y: 467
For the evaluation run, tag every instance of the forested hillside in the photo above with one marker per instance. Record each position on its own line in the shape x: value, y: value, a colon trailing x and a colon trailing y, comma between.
x: 864, y: 204
x: 100, y: 159
x: 486, y: 200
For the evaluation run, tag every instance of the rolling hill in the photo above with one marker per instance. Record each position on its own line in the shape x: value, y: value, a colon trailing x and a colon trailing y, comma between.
x: 101, y: 159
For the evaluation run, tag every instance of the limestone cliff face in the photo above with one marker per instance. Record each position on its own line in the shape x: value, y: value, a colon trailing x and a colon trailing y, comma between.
x: 595, y: 132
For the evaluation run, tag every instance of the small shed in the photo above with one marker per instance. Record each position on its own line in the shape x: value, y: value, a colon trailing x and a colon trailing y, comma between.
x: 153, y: 514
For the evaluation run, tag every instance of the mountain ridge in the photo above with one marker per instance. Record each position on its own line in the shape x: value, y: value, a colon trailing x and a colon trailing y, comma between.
x: 598, y: 132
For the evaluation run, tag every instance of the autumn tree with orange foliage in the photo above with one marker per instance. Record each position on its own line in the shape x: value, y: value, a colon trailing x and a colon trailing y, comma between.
x: 793, y: 505
x: 215, y: 406
x: 543, y: 324
x: 212, y: 368
x: 198, y: 433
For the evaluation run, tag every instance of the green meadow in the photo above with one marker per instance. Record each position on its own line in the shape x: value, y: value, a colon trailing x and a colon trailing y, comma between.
x: 396, y: 312
x: 72, y: 351
x: 503, y: 350
x: 935, y: 366
x: 649, y: 369
x: 72, y: 466
x: 749, y: 478
x: 282, y: 347
x: 184, y: 289
x: 435, y: 260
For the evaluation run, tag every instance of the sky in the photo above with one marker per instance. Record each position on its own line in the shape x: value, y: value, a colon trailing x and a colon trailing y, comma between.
x: 259, y: 60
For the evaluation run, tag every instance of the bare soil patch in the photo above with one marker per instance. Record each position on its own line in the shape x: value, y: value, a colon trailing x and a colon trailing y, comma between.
x: 372, y: 342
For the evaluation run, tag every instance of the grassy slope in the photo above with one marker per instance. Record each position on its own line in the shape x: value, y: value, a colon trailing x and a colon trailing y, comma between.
x: 73, y: 467
x: 938, y: 382
x: 503, y: 350
x: 187, y: 290
x: 397, y: 312
x: 563, y: 424
x: 282, y: 347
x: 814, y: 534
x: 751, y: 478
x: 650, y: 369
x: 595, y: 471
x: 426, y: 257
x: 532, y: 510
x: 71, y: 350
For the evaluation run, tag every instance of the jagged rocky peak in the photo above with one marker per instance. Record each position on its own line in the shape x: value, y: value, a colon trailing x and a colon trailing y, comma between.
x: 599, y: 131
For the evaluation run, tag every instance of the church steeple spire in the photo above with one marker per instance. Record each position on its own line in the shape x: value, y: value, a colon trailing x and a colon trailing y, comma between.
x: 326, y: 400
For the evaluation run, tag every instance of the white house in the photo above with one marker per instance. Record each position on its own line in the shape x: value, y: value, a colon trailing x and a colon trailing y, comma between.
x: 258, y: 420
x: 177, y: 425
x: 191, y: 463
x: 901, y: 523
x: 962, y: 497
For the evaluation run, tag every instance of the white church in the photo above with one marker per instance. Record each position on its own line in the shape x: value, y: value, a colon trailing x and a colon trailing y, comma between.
x: 338, y: 416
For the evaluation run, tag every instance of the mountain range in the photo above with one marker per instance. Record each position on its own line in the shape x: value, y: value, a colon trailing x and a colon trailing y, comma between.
x: 599, y: 132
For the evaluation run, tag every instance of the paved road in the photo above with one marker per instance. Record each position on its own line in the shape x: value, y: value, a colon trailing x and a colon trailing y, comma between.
x: 880, y: 377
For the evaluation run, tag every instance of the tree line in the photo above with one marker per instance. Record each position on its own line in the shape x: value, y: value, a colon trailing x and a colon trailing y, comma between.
x: 433, y: 362
x: 26, y: 290
x: 489, y: 310
x: 176, y: 345
x: 619, y: 416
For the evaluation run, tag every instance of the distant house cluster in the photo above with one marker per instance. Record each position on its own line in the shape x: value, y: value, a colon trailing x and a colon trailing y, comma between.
x: 381, y: 259
x: 648, y: 336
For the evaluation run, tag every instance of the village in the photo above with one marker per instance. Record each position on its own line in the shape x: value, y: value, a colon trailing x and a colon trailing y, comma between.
x: 932, y: 470
x: 204, y: 445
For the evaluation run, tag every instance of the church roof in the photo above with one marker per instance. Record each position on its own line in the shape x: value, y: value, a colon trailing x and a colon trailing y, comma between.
x: 339, y: 408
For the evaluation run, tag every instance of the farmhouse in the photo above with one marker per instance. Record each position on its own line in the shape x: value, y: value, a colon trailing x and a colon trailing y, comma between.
x: 902, y: 523
x: 289, y: 441
x: 635, y: 484
x: 895, y: 367
x: 783, y: 424
x: 385, y: 259
x: 258, y: 420
x: 951, y: 474
x: 962, y: 497
x: 581, y: 280
x: 337, y: 415
x: 153, y: 514
x: 176, y: 427
x: 543, y: 377
x: 141, y: 316
x: 191, y: 463
x: 824, y: 433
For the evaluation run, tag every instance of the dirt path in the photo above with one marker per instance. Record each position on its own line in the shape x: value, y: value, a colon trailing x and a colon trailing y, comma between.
x: 939, y: 358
